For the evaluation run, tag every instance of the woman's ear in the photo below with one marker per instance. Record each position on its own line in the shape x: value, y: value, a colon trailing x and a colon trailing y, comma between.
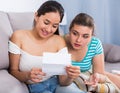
x: 36, y: 16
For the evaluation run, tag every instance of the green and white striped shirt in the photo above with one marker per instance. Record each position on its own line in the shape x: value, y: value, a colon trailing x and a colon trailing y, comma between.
x: 94, y: 48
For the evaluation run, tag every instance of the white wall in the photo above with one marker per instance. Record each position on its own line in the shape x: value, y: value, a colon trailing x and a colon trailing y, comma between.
x: 20, y: 5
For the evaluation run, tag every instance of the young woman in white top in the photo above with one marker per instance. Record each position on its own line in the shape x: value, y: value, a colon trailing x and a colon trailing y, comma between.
x: 26, y: 48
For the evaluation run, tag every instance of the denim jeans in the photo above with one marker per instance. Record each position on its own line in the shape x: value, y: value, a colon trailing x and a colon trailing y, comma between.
x: 72, y: 88
x: 47, y: 86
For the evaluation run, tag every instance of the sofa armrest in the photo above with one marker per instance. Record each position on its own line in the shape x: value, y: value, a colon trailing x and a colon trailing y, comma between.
x: 9, y: 84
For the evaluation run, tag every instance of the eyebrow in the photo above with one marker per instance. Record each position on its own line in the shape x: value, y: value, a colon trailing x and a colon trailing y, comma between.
x: 74, y: 31
x: 85, y: 34
x: 50, y: 21
x: 78, y: 32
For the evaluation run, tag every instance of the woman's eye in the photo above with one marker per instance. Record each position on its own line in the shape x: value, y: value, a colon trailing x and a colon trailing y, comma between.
x: 46, y: 23
x: 74, y: 33
x: 55, y: 26
x: 86, y: 36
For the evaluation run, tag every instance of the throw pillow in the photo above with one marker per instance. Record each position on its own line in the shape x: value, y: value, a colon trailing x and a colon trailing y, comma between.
x: 107, y: 48
x: 114, y: 54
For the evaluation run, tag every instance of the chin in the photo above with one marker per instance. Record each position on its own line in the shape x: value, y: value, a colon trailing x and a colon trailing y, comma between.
x: 45, y: 36
x: 76, y: 48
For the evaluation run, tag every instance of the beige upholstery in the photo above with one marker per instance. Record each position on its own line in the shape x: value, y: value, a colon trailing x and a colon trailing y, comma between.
x: 10, y: 22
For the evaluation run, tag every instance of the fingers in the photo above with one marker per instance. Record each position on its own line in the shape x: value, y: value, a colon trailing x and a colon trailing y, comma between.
x: 36, y: 74
x: 73, y: 71
x: 88, y: 82
x: 93, y: 81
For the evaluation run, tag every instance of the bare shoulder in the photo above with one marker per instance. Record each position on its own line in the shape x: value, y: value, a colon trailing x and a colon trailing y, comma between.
x: 59, y: 41
x: 19, y: 34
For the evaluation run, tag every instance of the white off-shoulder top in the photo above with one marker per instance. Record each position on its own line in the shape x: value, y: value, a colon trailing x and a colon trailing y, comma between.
x: 28, y: 61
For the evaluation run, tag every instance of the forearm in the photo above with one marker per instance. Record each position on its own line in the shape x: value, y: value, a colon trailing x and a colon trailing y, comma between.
x: 72, y: 73
x: 114, y: 78
x: 22, y: 76
x: 65, y: 80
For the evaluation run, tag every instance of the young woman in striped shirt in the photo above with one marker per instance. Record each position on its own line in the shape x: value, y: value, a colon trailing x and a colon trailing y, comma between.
x: 87, y: 53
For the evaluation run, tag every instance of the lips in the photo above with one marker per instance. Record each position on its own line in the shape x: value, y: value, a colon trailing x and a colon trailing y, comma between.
x: 77, y: 45
x: 45, y: 33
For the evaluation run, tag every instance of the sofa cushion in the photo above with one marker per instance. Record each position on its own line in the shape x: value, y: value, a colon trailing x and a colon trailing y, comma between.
x: 112, y: 66
x: 10, y: 84
x: 114, y: 54
x: 107, y: 48
x: 21, y: 20
x: 5, y: 32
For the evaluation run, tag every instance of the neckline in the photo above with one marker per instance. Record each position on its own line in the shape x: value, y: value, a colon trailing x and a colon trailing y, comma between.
x: 31, y: 54
x: 86, y: 53
x: 23, y: 50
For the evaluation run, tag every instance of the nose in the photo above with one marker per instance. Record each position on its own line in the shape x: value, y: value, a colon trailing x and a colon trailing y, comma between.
x: 49, y: 28
x: 79, y: 39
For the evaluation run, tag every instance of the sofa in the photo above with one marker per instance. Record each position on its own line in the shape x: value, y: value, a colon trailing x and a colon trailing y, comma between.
x: 10, y: 22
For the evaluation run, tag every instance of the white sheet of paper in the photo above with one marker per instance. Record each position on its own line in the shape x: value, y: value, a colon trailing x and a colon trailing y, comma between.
x: 55, y: 63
